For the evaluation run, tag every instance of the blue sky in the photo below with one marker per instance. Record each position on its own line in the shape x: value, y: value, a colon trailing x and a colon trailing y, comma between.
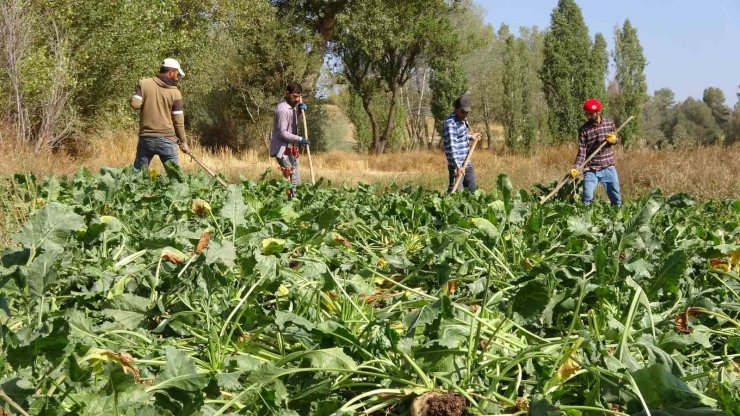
x: 689, y: 44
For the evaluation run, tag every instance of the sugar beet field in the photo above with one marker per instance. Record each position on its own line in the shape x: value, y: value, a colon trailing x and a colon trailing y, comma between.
x: 145, y: 295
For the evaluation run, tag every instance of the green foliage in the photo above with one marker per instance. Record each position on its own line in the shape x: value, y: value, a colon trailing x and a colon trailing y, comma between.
x: 569, y: 73
x: 113, y: 44
x: 119, y: 297
x: 447, y: 82
x: 239, y: 72
x: 599, y: 62
x: 484, y: 68
x: 694, y: 125
x: 352, y: 106
x: 523, y: 108
x: 658, y: 118
x: 516, y: 112
x: 733, y: 128
x: 630, y: 76
x: 380, y: 42
x: 715, y: 99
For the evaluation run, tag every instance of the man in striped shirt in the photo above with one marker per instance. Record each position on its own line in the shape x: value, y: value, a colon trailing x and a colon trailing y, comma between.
x: 285, y: 140
x: 161, y: 121
x: 600, y: 168
x: 457, y: 145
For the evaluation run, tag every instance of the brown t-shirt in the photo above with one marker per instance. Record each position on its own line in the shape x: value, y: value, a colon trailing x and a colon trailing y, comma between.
x: 160, y: 105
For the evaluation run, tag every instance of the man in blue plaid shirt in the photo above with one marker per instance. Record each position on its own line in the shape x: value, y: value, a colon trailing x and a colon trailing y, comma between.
x: 457, y: 145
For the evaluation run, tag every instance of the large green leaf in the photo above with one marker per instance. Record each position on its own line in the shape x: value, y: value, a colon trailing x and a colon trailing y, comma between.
x: 234, y: 208
x: 41, y: 272
x: 662, y: 390
x: 424, y: 315
x: 487, y: 228
x: 531, y: 300
x: 331, y: 358
x: 639, y: 222
x: 179, y: 372
x: 52, y: 225
x: 504, y: 188
x: 221, y: 252
x: 670, y: 273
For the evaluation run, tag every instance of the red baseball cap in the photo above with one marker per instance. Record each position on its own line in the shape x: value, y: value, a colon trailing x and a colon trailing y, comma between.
x: 592, y: 105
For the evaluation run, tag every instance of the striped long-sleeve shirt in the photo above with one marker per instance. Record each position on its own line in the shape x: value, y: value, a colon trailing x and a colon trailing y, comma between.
x: 590, y: 137
x: 456, y: 141
x: 284, y: 129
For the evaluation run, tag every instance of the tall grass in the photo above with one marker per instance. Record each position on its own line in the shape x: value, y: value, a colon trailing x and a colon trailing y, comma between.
x: 705, y: 172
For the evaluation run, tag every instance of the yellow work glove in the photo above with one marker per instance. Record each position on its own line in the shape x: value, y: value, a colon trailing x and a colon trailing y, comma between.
x: 611, y: 138
x: 575, y: 173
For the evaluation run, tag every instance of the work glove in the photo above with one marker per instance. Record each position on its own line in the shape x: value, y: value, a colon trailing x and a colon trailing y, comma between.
x: 575, y: 173
x: 303, y: 106
x: 611, y: 138
x: 304, y: 141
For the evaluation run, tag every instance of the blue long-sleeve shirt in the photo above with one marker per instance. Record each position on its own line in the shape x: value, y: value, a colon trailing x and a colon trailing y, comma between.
x: 456, y: 141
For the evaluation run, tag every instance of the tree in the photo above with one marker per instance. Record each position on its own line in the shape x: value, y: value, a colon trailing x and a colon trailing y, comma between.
x: 381, y: 42
x: 733, y: 129
x: 519, y: 120
x: 715, y: 99
x: 448, y: 82
x: 694, y: 125
x: 482, y: 61
x: 16, y: 35
x: 238, y: 72
x: 658, y: 118
x: 567, y: 72
x: 598, y: 66
x: 630, y: 76
x: 320, y: 18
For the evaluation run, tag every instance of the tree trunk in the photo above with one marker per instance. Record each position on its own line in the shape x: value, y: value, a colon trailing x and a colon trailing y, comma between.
x: 379, y: 146
x: 373, y: 120
x: 15, y: 30
x: 486, y: 116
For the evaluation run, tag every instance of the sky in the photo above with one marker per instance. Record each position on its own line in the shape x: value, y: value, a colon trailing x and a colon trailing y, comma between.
x: 689, y: 44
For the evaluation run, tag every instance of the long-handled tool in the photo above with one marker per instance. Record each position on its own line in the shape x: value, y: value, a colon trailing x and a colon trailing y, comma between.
x: 210, y: 172
x: 476, y: 139
x: 585, y: 162
x: 308, y: 146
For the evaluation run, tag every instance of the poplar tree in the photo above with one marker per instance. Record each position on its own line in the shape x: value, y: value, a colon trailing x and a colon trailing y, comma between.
x: 598, y: 65
x: 568, y: 70
x: 519, y: 103
x: 630, y: 76
x: 448, y: 81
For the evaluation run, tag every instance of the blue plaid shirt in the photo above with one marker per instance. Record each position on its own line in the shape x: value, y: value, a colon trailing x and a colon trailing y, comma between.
x: 456, y: 141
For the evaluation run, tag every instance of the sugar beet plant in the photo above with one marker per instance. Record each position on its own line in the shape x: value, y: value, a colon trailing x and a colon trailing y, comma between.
x: 145, y: 295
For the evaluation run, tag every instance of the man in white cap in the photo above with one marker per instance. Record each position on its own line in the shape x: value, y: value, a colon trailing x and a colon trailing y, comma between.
x: 161, y: 121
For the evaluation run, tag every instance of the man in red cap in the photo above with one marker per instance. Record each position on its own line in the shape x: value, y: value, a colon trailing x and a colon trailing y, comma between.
x: 600, y: 168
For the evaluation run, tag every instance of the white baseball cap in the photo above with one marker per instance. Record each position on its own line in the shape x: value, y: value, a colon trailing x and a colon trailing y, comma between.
x: 172, y: 63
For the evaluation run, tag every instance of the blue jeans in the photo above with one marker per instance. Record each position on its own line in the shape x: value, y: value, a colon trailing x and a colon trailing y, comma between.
x: 149, y: 147
x: 468, y: 181
x: 609, y: 178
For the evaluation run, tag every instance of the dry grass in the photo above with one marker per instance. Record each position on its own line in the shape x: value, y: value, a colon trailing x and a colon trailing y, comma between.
x: 710, y: 172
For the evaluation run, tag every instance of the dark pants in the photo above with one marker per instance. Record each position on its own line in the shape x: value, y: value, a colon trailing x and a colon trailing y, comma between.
x: 468, y: 181
x: 149, y: 147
